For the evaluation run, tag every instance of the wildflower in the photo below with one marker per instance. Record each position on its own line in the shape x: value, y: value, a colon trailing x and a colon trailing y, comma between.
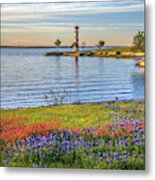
x: 14, y: 149
x: 66, y: 133
x: 63, y: 153
x: 123, y: 162
x: 126, y: 143
x: 110, y: 143
x: 6, y: 161
x: 122, y: 124
x: 38, y: 146
x: 40, y: 156
x: 22, y: 142
x: 135, y: 135
x: 137, y: 129
x: 96, y: 143
x: 115, y: 154
x: 94, y: 156
x: 99, y: 154
x: 130, y: 132
x: 143, y: 155
x: 88, y: 152
x: 124, y: 152
x: 108, y: 160
x: 84, y: 143
x: 142, y: 131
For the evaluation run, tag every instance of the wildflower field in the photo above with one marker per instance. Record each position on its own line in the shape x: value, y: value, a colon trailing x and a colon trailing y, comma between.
x: 108, y: 135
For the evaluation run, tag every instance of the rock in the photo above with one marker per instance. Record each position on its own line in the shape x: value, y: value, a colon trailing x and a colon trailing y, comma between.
x: 141, y: 62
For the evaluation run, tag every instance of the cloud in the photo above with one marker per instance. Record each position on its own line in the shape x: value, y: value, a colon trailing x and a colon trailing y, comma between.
x: 70, y: 8
x: 62, y: 27
x: 56, y: 19
x: 50, y: 13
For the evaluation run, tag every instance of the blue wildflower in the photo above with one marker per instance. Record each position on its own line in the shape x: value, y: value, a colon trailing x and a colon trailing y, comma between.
x: 126, y: 142
x: 14, y: 149
x: 96, y: 143
x: 124, y: 152
x: 115, y: 154
x: 143, y: 155
x: 84, y: 143
x: 99, y: 154
x: 122, y: 124
x: 66, y: 133
x: 142, y: 131
x: 110, y: 143
x: 6, y: 161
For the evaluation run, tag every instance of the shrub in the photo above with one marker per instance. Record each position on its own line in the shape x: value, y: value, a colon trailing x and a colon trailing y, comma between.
x: 118, y: 53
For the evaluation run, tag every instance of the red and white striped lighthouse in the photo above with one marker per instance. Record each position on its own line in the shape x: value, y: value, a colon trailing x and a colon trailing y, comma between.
x: 76, y: 38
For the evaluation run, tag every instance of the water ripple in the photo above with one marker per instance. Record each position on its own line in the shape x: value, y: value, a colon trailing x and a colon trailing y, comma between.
x: 27, y: 76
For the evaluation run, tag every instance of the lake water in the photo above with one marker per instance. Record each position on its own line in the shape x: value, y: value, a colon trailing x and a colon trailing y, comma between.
x: 27, y: 77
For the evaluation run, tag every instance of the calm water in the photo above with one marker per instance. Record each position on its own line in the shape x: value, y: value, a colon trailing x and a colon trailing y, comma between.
x: 27, y: 77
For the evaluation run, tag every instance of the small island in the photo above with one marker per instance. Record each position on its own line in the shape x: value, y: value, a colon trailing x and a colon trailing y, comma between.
x: 136, y: 51
x: 118, y: 52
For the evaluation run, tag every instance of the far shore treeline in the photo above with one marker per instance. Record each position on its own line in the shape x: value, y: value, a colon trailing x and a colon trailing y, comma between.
x: 138, y: 42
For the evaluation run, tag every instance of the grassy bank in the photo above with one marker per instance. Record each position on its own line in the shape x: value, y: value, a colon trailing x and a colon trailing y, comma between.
x: 91, y: 114
x: 117, y: 52
x: 108, y: 135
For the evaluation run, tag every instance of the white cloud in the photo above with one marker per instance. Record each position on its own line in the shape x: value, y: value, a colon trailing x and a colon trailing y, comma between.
x: 69, y: 8
x: 55, y: 19
x: 49, y: 27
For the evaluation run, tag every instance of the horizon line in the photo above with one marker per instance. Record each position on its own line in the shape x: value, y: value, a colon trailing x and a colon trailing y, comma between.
x: 19, y: 46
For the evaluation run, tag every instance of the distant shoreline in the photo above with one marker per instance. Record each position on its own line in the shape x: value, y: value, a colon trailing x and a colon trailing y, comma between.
x: 54, y: 47
x: 33, y: 47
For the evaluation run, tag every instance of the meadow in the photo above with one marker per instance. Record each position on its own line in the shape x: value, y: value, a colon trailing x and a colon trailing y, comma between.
x: 107, y: 135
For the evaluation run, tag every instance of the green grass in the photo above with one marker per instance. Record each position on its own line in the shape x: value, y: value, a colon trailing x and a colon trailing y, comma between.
x: 122, y: 49
x: 115, y: 52
x: 114, y: 49
x: 90, y: 114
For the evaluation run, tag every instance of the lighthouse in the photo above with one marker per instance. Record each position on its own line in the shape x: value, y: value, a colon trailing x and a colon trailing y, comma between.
x: 76, y: 38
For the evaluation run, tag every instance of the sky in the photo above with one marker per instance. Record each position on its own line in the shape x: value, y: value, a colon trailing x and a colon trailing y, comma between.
x: 40, y: 24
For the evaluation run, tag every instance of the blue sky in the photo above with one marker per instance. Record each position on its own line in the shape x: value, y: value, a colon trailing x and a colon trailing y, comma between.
x: 39, y: 24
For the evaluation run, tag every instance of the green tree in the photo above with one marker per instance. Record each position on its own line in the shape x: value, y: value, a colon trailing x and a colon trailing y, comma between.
x: 139, y: 41
x: 101, y: 43
x: 57, y: 42
x: 73, y: 45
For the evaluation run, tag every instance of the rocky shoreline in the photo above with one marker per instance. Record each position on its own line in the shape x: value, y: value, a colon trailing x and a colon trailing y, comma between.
x: 120, y: 52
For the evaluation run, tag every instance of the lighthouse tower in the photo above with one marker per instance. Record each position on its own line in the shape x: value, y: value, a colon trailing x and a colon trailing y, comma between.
x: 76, y: 38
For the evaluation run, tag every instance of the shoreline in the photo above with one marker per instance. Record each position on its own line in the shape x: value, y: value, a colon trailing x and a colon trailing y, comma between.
x: 74, y: 104
x: 78, y: 115
x: 115, y: 52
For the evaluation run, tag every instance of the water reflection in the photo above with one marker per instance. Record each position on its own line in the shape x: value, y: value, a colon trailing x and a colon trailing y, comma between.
x: 76, y: 68
x: 76, y: 76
